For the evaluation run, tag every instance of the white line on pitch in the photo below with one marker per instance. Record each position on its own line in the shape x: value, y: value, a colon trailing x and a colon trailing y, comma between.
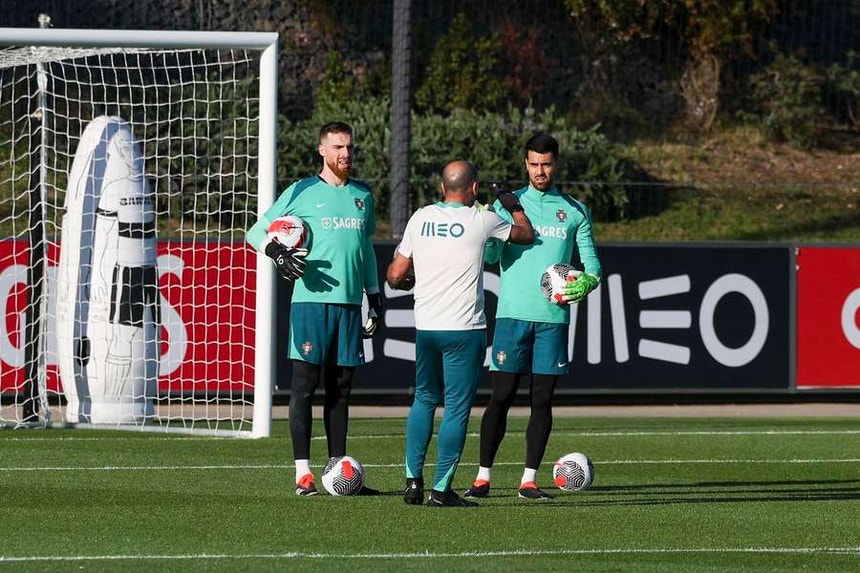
x: 399, y: 436
x: 635, y: 434
x: 397, y: 465
x: 433, y: 555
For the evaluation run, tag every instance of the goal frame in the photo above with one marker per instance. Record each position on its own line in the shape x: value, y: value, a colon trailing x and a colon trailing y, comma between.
x: 267, y: 44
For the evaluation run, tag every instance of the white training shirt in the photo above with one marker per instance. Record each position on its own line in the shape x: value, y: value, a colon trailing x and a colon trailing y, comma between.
x: 446, y: 244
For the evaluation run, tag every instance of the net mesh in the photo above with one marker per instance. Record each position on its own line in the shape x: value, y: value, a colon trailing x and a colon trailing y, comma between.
x: 194, y: 114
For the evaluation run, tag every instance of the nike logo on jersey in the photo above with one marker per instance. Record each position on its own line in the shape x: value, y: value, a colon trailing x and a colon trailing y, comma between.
x: 321, y: 205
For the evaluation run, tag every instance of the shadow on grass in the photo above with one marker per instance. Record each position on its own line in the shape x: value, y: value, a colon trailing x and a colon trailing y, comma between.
x: 696, y: 493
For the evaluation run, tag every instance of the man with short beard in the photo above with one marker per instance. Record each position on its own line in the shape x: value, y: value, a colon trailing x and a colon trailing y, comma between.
x: 330, y: 277
x: 530, y: 337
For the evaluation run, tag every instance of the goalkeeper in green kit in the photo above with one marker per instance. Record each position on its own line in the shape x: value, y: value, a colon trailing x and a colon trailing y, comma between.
x: 531, y: 333
x: 329, y: 281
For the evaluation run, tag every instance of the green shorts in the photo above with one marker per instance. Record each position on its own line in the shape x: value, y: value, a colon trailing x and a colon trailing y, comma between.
x: 322, y: 333
x: 523, y: 347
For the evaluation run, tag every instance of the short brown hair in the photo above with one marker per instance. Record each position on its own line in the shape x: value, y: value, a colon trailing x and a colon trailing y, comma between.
x: 335, y: 127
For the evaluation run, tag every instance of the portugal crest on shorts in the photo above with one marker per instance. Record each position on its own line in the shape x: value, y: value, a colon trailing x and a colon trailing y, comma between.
x: 307, y: 347
x: 501, y: 356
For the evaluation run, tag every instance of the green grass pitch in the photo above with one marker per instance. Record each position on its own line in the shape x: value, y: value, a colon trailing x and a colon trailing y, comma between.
x: 670, y: 495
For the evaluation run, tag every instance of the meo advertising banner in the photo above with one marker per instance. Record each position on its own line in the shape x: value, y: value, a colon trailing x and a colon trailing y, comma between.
x: 828, y: 318
x: 685, y: 318
x: 666, y: 318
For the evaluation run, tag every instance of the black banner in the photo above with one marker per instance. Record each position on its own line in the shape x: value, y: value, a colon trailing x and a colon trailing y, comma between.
x: 666, y: 318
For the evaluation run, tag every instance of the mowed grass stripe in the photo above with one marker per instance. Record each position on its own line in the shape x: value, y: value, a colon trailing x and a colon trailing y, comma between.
x: 728, y: 494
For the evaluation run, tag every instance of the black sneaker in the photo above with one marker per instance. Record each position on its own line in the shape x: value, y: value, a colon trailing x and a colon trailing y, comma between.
x: 530, y: 490
x: 448, y: 499
x: 414, y: 494
x: 481, y: 488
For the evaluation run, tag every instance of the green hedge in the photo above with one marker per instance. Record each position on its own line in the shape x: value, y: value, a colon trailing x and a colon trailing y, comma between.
x: 492, y: 141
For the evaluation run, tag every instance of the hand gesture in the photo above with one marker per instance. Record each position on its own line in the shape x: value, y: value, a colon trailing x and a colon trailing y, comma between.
x: 508, y: 200
x: 289, y: 262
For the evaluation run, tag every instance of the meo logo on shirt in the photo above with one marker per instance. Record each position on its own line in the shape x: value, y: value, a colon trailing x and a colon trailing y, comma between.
x: 433, y: 229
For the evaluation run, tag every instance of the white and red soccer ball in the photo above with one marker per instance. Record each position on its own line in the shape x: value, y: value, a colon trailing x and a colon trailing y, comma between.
x: 573, y: 472
x: 290, y: 231
x: 554, y: 279
x: 343, y: 475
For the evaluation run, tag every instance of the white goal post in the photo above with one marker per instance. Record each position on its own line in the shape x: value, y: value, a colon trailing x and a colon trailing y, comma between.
x: 131, y: 164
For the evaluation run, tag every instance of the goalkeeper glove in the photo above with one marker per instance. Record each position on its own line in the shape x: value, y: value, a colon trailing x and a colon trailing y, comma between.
x: 577, y: 290
x: 289, y: 262
x: 374, y: 315
x: 508, y: 200
x: 492, y: 251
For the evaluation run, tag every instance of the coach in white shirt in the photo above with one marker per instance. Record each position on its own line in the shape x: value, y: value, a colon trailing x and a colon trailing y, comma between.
x: 441, y: 254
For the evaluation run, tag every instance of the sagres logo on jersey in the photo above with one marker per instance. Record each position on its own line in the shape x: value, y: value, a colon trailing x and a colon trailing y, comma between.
x: 555, y: 232
x: 334, y: 223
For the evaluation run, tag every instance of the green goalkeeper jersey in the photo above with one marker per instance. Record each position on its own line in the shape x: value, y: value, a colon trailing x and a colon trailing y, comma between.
x: 562, y: 235
x: 341, y: 262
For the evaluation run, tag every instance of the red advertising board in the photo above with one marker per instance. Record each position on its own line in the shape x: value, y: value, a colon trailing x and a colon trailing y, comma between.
x: 828, y: 318
x: 13, y: 304
x: 207, y: 309
x: 208, y: 294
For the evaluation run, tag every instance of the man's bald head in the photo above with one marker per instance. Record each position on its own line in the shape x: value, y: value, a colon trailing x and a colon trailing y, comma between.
x: 459, y: 181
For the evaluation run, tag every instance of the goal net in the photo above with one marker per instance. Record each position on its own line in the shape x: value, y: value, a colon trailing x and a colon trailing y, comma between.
x: 131, y: 165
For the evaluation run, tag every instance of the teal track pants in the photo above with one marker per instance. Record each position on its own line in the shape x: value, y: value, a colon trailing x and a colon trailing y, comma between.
x: 448, y: 368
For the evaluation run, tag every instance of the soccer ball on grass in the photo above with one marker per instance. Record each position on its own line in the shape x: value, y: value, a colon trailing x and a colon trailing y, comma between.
x: 573, y: 472
x: 343, y: 475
